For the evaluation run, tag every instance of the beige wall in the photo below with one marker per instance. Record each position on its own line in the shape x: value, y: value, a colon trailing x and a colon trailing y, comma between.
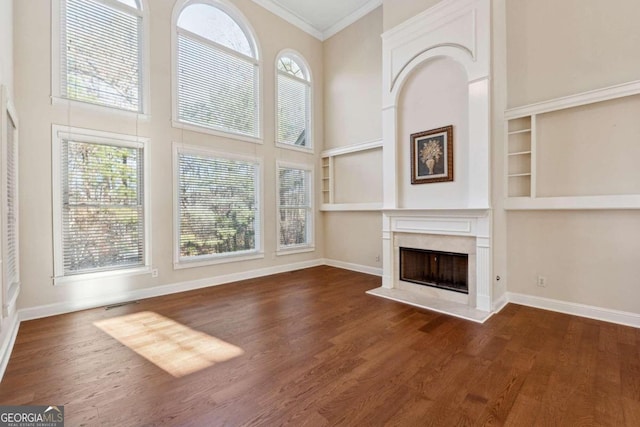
x: 353, y: 115
x: 33, y: 90
x: 556, y: 49
x: 6, y: 44
x: 398, y: 11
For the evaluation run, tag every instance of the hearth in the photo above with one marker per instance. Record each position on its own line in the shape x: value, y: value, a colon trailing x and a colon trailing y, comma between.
x: 444, y: 270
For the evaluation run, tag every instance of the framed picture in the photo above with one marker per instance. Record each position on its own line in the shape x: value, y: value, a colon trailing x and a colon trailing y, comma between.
x: 432, y: 156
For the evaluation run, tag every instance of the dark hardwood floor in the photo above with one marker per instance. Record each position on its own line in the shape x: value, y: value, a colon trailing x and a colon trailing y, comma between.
x: 311, y: 348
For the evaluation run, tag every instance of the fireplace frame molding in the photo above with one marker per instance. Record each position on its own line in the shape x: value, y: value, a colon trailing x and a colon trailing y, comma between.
x: 474, y: 223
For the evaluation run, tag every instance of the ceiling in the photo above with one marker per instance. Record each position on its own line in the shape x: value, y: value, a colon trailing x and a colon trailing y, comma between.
x: 321, y: 19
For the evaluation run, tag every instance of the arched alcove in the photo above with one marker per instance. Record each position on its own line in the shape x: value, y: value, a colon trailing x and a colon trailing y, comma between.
x: 434, y: 95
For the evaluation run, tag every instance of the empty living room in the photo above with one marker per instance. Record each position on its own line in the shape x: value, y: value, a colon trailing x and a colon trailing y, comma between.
x: 319, y: 213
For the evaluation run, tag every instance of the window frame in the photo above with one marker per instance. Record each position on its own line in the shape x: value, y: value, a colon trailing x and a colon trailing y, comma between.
x: 57, y: 98
x: 206, y: 260
x: 301, y: 61
x: 309, y: 246
x: 60, y: 132
x: 10, y: 291
x: 235, y: 14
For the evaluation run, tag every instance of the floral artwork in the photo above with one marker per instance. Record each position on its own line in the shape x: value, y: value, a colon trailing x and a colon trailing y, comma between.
x: 432, y: 156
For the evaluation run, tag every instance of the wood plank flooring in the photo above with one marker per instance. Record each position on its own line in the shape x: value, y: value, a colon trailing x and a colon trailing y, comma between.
x: 317, y: 351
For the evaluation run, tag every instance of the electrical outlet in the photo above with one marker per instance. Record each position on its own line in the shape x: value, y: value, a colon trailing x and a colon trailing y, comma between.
x: 542, y: 281
x: 154, y: 272
x: 377, y: 258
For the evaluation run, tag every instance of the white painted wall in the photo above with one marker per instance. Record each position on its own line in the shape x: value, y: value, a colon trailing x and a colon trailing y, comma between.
x: 352, y: 112
x: 434, y: 96
x: 33, y: 89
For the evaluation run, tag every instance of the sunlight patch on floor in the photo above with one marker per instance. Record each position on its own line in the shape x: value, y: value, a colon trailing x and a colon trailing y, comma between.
x: 172, y: 346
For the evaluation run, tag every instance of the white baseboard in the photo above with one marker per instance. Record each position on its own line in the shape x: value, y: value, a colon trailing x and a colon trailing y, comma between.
x: 8, y: 335
x: 354, y: 267
x: 598, y: 313
x: 70, y: 306
x: 500, y: 303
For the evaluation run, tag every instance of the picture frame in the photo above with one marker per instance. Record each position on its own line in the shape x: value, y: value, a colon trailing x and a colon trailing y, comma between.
x: 432, y: 156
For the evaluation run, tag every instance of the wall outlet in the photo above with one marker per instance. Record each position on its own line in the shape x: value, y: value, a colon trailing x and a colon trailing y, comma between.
x: 154, y: 272
x: 377, y: 258
x: 542, y: 281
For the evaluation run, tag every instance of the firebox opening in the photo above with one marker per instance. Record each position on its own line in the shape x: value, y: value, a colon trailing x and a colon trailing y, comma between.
x: 444, y: 270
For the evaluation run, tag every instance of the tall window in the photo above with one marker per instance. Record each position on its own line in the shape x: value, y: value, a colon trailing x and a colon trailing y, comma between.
x: 295, y: 207
x: 217, y: 71
x: 99, y: 191
x: 101, y: 51
x: 218, y: 206
x: 293, y: 107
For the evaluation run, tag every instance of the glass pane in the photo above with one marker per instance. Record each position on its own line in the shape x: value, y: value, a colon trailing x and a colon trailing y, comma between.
x: 292, y: 112
x: 293, y: 227
x: 218, y: 206
x: 289, y: 65
x: 213, y: 24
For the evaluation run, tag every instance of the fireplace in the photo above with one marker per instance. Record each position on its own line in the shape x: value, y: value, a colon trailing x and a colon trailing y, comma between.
x: 444, y: 270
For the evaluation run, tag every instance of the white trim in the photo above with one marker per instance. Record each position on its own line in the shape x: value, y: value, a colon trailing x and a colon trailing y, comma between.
x: 246, y: 27
x: 290, y: 17
x: 500, y: 303
x: 219, y: 259
x: 356, y: 15
x: 258, y: 252
x: 58, y: 133
x: 374, y: 271
x: 351, y: 207
x: 575, y: 309
x: 577, y: 100
x: 101, y: 109
x: 353, y: 148
x: 310, y: 209
x: 321, y: 34
x: 156, y: 291
x: 145, y: 61
x: 296, y: 249
x: 625, y: 201
x: 8, y: 335
x: 297, y: 56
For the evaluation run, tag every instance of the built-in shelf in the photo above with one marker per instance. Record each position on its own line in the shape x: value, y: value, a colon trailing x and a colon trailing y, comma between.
x: 328, y: 178
x: 521, y: 160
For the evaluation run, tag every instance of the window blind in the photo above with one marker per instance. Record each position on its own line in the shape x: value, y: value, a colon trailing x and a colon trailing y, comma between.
x: 293, y: 110
x: 216, y: 89
x: 101, y: 54
x: 295, y: 206
x: 102, y: 207
x: 218, y: 206
x: 11, y: 268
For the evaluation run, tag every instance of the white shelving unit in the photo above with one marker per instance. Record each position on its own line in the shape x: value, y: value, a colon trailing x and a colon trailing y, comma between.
x: 521, y: 162
x: 328, y: 178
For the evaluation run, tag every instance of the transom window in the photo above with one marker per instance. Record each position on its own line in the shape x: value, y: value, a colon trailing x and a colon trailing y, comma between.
x: 293, y: 116
x: 100, y: 210
x: 101, y: 51
x: 217, y: 70
x: 218, y: 209
x: 295, y: 225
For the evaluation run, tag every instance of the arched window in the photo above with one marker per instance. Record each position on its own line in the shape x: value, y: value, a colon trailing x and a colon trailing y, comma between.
x: 101, y: 53
x: 217, y: 70
x: 293, y: 108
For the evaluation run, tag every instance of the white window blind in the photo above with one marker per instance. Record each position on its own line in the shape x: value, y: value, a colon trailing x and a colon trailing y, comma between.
x: 293, y: 104
x: 11, y: 220
x: 101, y: 53
x: 102, y: 207
x: 294, y: 206
x: 218, y: 206
x: 217, y: 73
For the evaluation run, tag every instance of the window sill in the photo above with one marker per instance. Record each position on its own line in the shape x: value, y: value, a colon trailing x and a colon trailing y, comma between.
x: 138, y: 271
x: 295, y: 250
x: 308, y: 150
x: 201, y: 129
x: 104, y: 109
x: 222, y: 259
